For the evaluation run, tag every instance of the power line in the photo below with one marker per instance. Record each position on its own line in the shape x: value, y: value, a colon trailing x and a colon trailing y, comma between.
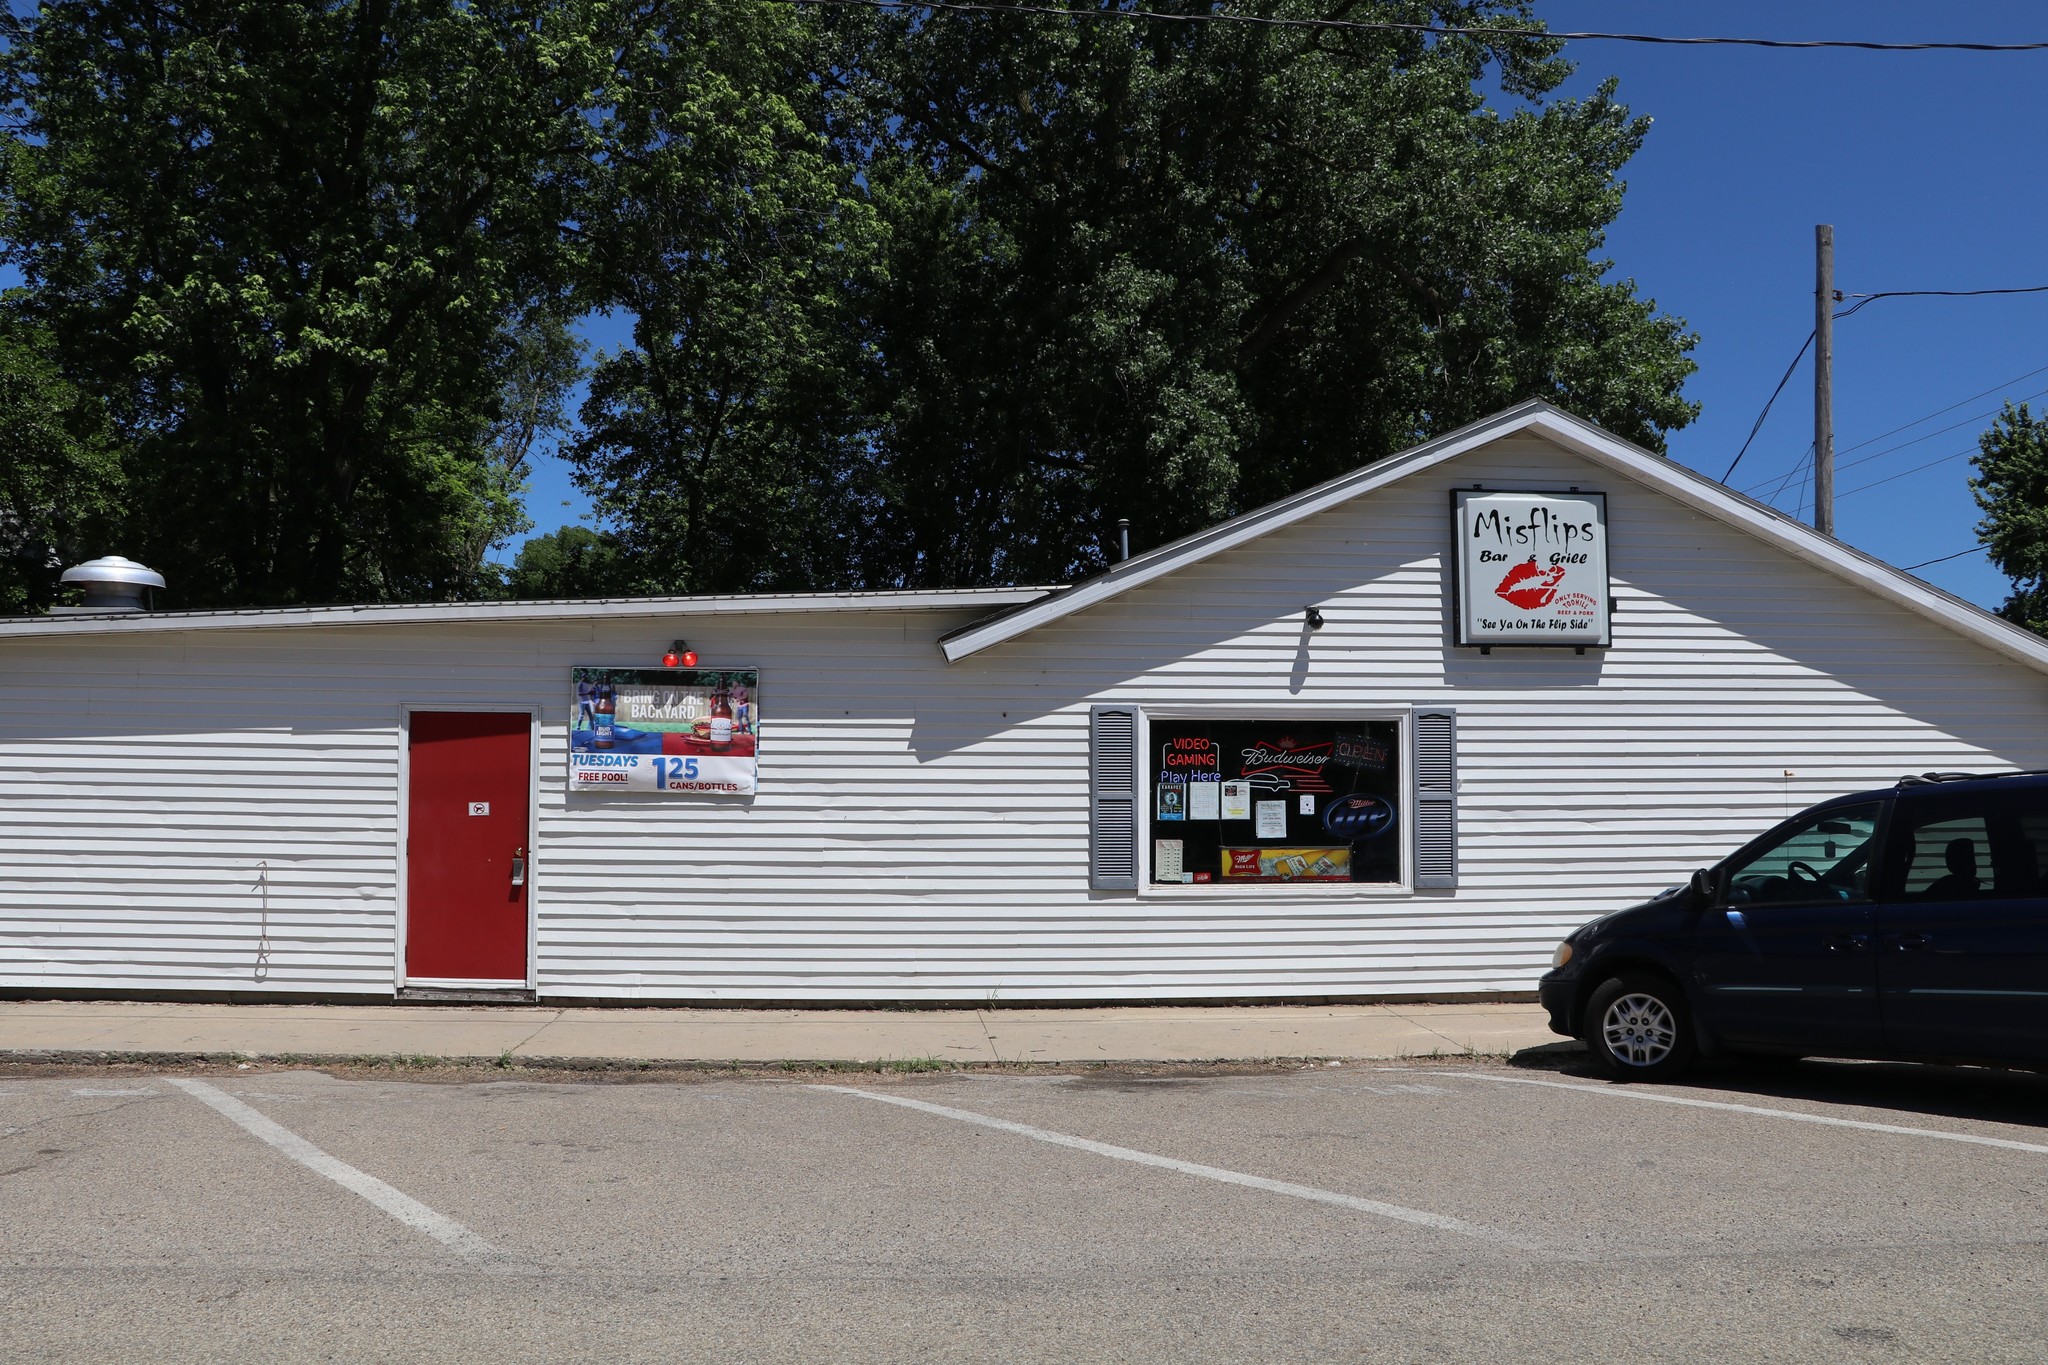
x: 1432, y: 30
x: 1865, y: 300
x: 1767, y: 406
x: 1967, y: 421
x: 1946, y: 558
x: 1784, y: 481
x: 1960, y: 454
x: 1893, y: 450
x: 1995, y: 388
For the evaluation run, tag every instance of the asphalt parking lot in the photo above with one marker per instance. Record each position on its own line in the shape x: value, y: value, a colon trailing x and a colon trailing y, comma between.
x: 1823, y: 1211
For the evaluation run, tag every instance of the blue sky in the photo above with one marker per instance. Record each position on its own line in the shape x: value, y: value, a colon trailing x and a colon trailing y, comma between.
x: 1929, y: 167
x: 1927, y: 164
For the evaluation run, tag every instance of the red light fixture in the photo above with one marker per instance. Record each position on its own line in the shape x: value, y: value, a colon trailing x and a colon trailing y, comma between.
x: 679, y: 655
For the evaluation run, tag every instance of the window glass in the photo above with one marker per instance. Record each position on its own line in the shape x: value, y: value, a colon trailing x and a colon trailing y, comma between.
x: 2032, y: 853
x: 1239, y: 802
x: 1950, y: 860
x: 1822, y: 858
x: 1985, y: 846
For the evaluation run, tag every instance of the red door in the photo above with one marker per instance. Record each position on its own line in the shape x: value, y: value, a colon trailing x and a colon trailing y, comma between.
x: 468, y: 795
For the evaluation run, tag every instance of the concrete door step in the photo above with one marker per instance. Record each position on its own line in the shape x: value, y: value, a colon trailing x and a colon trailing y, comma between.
x: 452, y: 995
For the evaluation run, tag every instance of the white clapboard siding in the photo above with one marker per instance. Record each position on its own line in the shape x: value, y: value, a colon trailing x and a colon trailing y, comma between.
x: 921, y: 830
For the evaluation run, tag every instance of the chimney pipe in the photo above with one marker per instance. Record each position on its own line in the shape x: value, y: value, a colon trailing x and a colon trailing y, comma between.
x: 1123, y: 539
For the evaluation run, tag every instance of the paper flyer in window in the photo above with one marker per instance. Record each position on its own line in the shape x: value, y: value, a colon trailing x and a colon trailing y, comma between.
x: 1205, y: 800
x: 1172, y: 801
x: 1272, y: 820
x: 1237, y: 800
x: 1166, y: 861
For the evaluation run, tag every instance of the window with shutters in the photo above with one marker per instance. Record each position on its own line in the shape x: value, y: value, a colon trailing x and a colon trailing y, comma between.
x: 1236, y: 802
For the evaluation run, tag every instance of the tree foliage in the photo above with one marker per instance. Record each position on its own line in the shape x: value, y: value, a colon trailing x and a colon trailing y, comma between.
x: 1173, y: 271
x: 2011, y: 488
x: 917, y: 298
x: 301, y: 247
x: 726, y: 440
x: 60, y: 472
x: 572, y: 562
x: 987, y: 283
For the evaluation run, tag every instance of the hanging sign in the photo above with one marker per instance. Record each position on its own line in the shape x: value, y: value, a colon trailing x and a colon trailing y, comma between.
x: 1531, y: 568
x: 683, y: 731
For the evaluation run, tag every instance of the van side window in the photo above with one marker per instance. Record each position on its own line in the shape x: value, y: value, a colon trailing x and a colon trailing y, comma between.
x: 2030, y: 857
x: 1951, y: 860
x: 1989, y: 846
x: 1820, y: 858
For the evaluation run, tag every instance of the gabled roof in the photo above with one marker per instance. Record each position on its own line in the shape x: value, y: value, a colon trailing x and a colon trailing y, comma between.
x: 1674, y: 480
x: 583, y: 609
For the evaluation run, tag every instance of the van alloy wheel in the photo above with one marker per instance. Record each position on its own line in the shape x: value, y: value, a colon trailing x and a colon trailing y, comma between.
x: 1639, y: 1030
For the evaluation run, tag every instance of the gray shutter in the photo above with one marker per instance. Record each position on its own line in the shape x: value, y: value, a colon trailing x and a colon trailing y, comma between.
x: 1436, y: 799
x: 1113, y: 798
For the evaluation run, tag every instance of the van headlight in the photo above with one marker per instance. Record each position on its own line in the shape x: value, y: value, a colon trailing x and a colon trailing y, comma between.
x: 1561, y: 956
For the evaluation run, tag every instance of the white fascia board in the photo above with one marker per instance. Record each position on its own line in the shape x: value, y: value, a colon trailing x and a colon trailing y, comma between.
x: 1153, y: 564
x: 448, y: 613
x: 1571, y: 433
x: 1796, y: 538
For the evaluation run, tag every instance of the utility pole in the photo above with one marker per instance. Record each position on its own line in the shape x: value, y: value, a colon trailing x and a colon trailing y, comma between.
x: 1824, y: 379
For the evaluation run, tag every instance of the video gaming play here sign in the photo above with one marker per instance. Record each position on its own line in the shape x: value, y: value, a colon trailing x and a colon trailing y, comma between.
x: 1531, y: 568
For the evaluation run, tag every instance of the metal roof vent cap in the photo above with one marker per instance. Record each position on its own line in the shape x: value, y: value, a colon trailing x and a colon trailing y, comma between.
x: 111, y: 583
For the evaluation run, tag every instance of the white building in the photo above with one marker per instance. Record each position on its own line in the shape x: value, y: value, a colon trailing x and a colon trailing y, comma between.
x: 278, y: 802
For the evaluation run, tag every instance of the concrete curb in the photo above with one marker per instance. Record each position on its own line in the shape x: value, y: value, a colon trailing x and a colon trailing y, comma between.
x: 139, y: 1033
x: 401, y: 1062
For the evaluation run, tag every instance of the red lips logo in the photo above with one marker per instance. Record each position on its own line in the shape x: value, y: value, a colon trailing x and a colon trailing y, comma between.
x: 1529, y: 587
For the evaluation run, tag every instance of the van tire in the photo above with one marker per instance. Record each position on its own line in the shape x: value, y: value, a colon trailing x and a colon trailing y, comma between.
x: 1639, y: 1029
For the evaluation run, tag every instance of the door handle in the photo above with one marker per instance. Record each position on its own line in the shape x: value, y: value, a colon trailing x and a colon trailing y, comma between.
x: 1910, y: 943
x: 1849, y: 943
x: 519, y: 867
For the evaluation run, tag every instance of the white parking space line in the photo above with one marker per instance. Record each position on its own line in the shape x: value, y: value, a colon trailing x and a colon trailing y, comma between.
x: 1421, y: 1217
x: 1623, y: 1092
x: 397, y: 1203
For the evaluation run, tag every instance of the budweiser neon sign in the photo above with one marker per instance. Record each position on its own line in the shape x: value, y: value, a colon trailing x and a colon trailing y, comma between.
x: 1301, y: 764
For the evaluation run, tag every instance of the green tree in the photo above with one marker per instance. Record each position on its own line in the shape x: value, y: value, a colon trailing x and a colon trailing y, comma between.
x: 2011, y: 488
x: 305, y: 250
x: 725, y: 440
x: 60, y: 474
x: 1172, y: 271
x: 572, y: 562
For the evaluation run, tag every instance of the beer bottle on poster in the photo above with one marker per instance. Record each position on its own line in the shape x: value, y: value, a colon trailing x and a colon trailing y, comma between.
x: 603, y: 712
x: 721, y: 720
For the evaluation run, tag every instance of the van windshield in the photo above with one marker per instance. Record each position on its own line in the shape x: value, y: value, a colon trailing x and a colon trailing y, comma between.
x: 1821, y: 857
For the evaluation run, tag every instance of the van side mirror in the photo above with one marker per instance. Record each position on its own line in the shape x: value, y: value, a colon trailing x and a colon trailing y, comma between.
x: 1702, y: 885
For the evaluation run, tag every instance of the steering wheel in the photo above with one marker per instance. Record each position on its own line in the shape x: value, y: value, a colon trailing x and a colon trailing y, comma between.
x: 1805, y: 872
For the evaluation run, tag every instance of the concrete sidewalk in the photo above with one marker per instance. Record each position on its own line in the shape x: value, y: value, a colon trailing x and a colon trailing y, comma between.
x: 77, y: 1030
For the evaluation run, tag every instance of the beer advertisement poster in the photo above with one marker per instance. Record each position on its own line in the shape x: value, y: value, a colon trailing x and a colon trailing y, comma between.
x: 1531, y: 568
x: 679, y: 731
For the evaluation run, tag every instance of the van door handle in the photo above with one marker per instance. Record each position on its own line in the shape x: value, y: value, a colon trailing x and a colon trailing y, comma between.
x: 519, y: 867
x: 1849, y: 943
x: 1911, y: 943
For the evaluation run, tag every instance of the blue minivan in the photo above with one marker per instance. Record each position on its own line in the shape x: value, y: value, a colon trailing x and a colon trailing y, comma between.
x: 1906, y: 924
